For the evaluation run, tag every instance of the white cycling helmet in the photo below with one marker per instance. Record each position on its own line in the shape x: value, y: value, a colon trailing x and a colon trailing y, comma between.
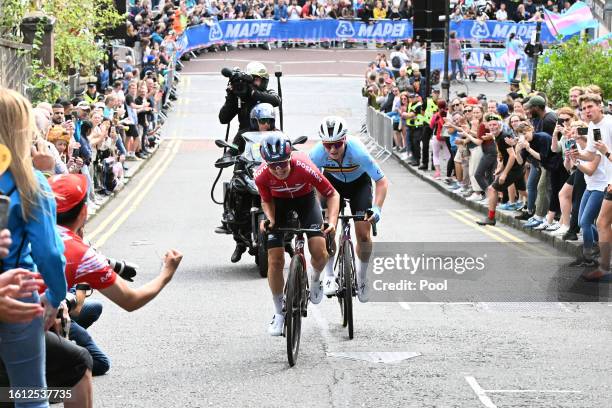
x: 332, y: 129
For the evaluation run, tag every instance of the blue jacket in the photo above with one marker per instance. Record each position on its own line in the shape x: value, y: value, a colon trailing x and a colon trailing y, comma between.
x: 37, y: 245
x: 281, y: 12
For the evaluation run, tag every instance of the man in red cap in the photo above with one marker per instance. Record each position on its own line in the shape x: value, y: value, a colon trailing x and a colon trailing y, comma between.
x: 83, y: 263
x: 86, y: 265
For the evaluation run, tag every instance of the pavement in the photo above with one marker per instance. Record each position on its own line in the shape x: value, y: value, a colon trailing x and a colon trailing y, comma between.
x: 202, y: 341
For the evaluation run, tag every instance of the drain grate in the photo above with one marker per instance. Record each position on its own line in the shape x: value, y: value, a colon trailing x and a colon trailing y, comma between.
x: 385, y: 357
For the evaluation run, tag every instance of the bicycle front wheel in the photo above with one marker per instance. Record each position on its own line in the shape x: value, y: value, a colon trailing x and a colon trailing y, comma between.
x: 293, y: 314
x: 490, y: 75
x: 347, y: 274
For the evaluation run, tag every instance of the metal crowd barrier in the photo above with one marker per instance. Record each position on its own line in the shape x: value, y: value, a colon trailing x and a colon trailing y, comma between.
x: 378, y: 136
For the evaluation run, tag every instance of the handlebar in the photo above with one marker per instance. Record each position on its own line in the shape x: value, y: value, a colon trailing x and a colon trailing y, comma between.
x: 293, y: 230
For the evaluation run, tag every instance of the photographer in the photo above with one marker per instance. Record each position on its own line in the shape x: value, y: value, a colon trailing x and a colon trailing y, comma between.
x: 244, y: 91
x: 85, y: 265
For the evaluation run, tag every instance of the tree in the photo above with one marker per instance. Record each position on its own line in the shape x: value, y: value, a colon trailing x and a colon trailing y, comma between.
x: 574, y: 63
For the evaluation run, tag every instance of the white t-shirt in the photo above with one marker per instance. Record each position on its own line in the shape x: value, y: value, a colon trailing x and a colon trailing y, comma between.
x: 605, y: 127
x: 501, y: 15
x: 403, y: 57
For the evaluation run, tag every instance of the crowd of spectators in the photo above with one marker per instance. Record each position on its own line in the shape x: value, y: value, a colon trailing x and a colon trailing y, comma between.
x: 68, y: 156
x: 552, y: 167
x: 506, y: 10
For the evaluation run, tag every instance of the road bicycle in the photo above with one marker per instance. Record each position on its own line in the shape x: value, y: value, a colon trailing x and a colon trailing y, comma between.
x: 490, y: 75
x: 297, y: 293
x: 344, y: 267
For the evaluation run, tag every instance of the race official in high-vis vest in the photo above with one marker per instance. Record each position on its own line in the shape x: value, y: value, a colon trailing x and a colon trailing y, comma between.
x: 414, y: 126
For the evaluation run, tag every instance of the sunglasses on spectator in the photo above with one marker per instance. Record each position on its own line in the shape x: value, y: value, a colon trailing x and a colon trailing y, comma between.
x: 281, y: 165
x: 338, y: 145
x: 467, y: 110
x: 455, y: 105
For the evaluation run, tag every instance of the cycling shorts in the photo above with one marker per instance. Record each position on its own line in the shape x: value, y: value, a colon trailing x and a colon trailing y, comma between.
x: 358, y: 192
x: 309, y: 214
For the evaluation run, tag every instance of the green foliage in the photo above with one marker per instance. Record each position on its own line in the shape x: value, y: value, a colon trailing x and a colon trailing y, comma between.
x: 574, y: 63
x: 11, y: 13
x: 78, y: 25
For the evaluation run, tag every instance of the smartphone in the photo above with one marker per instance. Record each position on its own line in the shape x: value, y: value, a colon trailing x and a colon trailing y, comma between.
x: 597, y: 135
x: 75, y: 152
x: 5, y: 203
x: 583, y: 131
x: 560, y: 122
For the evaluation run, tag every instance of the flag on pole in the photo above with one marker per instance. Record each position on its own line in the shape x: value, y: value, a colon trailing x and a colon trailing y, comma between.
x: 577, y: 18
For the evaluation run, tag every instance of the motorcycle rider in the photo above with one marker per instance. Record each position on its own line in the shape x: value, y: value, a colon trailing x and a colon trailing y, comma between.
x: 243, y: 105
x: 286, y: 182
x: 262, y: 118
x: 349, y: 167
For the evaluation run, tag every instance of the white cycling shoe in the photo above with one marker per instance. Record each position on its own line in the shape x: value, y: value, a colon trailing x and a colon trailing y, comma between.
x: 276, y: 325
x: 363, y: 291
x: 316, y: 292
x: 330, y: 286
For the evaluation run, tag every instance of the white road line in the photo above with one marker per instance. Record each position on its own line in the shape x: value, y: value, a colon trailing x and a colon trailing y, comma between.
x: 482, y: 396
x: 354, y: 62
x: 232, y: 60
x: 322, y: 323
x: 404, y: 305
x: 543, y: 391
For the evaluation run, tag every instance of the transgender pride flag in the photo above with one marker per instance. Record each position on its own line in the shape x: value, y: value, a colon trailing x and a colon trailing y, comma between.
x: 575, y: 19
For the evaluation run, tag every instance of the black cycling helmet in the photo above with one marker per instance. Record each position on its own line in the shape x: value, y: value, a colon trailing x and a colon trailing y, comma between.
x: 275, y: 147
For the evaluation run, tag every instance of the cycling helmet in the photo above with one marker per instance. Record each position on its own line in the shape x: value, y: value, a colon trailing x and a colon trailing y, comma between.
x: 275, y: 147
x: 262, y: 111
x: 257, y: 69
x: 332, y: 129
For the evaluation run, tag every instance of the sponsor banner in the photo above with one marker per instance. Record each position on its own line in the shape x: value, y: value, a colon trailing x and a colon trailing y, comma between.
x: 236, y: 31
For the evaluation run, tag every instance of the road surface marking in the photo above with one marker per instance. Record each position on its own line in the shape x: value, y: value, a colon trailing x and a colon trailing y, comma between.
x: 107, y: 221
x: 136, y: 202
x: 480, y: 393
x: 404, y: 305
x: 307, y: 62
x: 475, y: 226
x: 541, y: 251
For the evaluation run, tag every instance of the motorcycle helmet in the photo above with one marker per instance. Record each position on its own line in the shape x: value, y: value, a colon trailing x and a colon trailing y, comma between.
x: 332, y: 129
x: 257, y: 69
x: 262, y: 111
x: 275, y: 147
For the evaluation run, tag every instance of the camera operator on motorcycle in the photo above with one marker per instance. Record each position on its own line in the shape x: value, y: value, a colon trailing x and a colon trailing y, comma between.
x: 349, y: 167
x: 85, y: 265
x: 285, y: 182
x: 263, y: 119
x: 245, y: 90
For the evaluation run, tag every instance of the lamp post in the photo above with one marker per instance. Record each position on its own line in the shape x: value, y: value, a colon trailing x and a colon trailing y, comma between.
x: 446, y: 80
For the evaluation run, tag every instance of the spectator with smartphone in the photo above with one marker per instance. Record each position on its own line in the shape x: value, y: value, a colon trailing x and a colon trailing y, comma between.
x: 32, y: 219
x: 597, y: 151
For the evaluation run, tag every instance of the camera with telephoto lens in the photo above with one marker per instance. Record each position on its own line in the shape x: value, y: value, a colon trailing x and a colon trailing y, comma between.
x: 125, y: 270
x: 240, y: 81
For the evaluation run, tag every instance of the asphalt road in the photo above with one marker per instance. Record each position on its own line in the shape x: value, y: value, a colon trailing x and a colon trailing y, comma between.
x: 203, y: 341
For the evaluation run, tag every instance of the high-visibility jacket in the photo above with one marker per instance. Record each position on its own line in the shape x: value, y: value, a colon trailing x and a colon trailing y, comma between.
x: 419, y: 119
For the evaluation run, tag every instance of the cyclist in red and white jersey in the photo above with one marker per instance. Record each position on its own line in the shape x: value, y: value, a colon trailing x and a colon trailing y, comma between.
x: 286, y: 182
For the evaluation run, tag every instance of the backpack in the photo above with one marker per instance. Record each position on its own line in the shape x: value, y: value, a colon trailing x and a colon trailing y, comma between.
x: 396, y: 62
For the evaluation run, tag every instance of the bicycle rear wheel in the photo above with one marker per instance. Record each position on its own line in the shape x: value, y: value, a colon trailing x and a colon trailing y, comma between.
x: 293, y: 314
x: 490, y: 75
x: 347, y: 275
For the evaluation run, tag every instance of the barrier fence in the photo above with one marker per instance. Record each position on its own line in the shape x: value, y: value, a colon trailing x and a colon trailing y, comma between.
x: 378, y: 134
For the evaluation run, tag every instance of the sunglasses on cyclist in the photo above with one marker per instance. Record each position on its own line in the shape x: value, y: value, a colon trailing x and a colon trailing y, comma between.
x: 281, y: 165
x: 265, y: 121
x: 338, y: 145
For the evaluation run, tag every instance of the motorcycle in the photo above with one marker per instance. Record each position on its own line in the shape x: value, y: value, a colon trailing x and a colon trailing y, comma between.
x: 241, y: 201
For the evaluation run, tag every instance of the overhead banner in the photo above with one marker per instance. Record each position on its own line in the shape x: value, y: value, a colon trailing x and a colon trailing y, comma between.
x: 499, y: 31
x: 241, y: 31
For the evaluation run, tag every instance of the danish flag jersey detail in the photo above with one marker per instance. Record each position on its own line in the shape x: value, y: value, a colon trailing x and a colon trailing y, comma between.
x: 84, y: 264
x: 303, y: 176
